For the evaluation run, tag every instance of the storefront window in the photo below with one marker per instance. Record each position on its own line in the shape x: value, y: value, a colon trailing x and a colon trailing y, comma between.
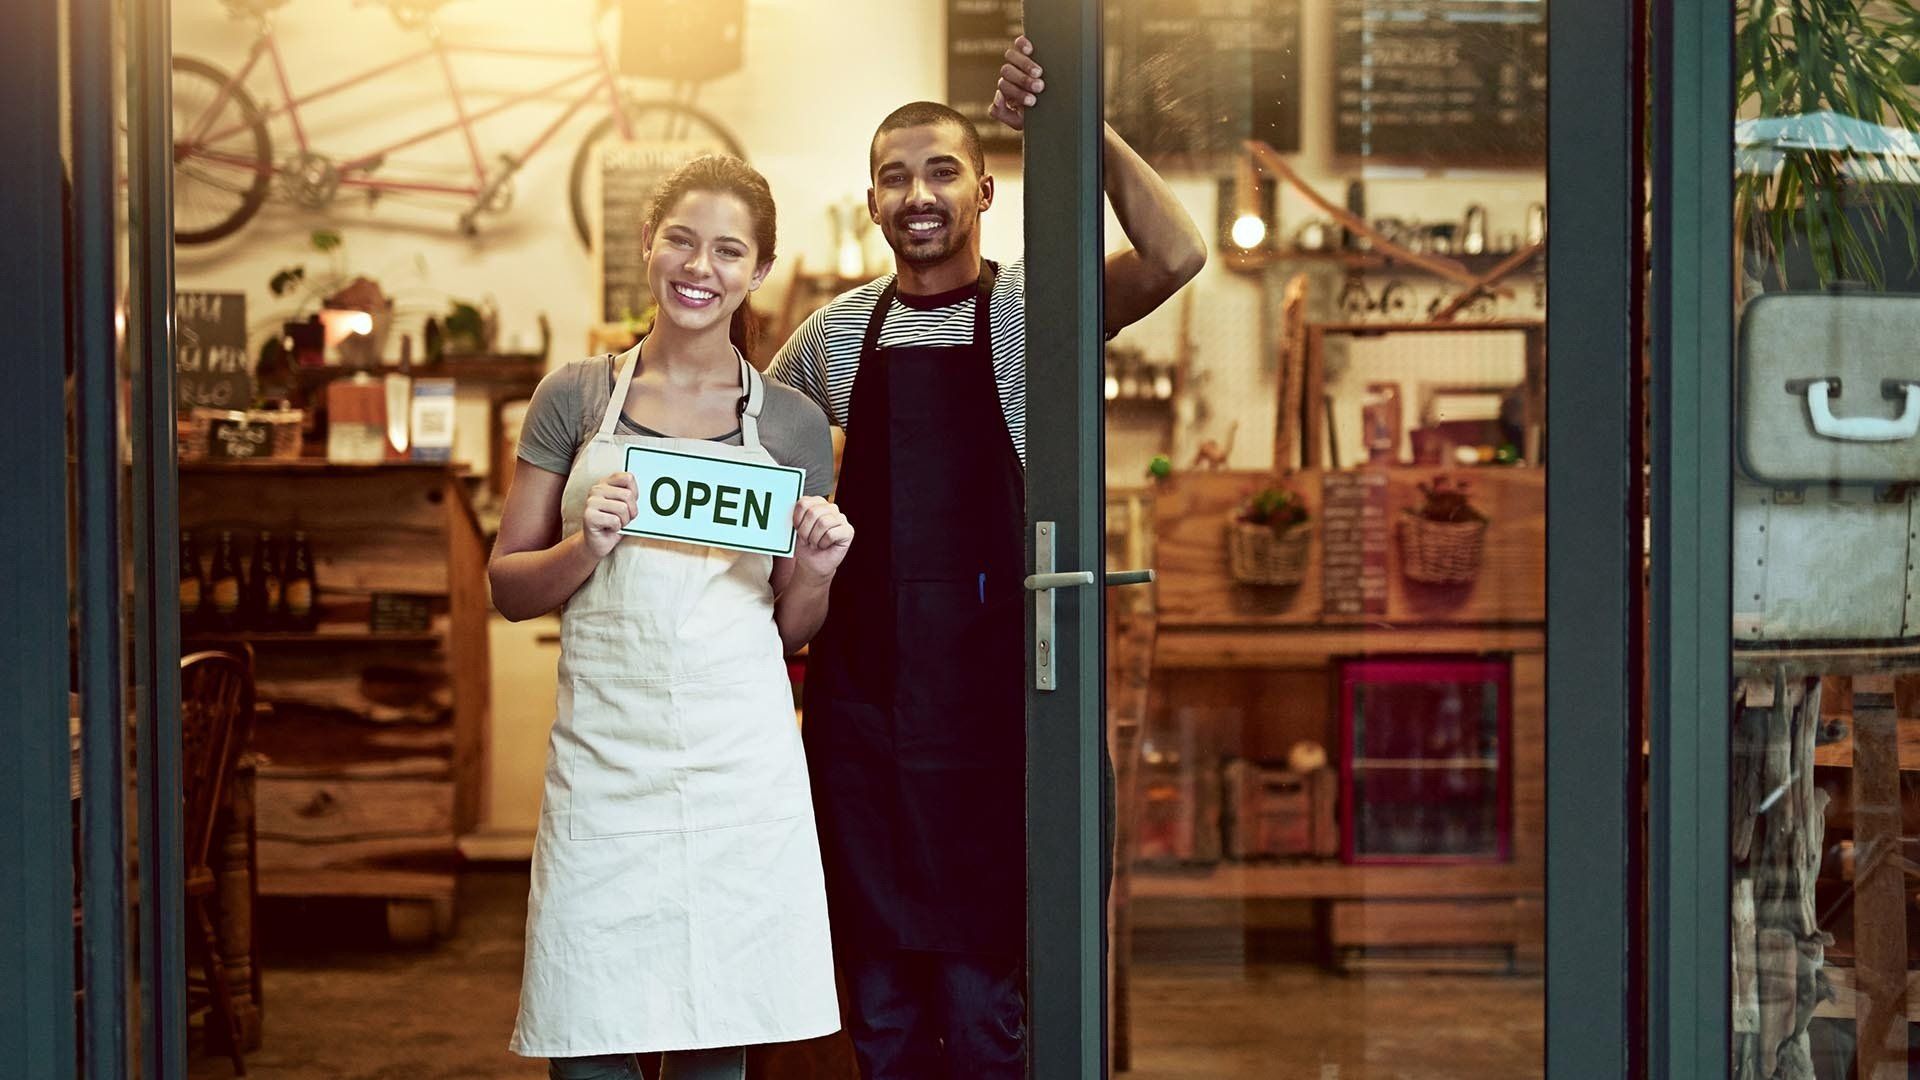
x: 1824, y: 167
x: 1329, y: 718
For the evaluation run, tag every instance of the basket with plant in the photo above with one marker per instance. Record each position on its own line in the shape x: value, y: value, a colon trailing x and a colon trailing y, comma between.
x: 1444, y: 537
x: 1267, y: 538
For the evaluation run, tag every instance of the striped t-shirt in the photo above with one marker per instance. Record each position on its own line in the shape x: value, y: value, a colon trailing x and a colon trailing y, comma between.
x: 823, y: 356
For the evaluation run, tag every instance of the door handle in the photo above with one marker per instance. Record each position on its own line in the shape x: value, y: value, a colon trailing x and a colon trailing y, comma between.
x: 1074, y: 578
x: 1044, y: 582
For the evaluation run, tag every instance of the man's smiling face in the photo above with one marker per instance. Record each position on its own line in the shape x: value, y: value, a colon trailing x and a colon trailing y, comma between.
x: 927, y: 195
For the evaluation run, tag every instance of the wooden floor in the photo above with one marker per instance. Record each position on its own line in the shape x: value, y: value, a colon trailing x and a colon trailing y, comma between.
x: 1271, y: 1022
x: 341, y: 1005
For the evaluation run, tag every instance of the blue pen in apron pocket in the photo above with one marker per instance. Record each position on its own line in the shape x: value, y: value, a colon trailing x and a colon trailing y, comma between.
x: 983, y: 588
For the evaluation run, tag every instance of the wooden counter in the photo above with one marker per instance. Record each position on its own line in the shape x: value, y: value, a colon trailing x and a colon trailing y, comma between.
x: 1254, y: 665
x: 372, y: 765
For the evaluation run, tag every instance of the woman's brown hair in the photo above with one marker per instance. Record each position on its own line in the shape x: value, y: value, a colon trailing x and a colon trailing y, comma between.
x: 724, y: 174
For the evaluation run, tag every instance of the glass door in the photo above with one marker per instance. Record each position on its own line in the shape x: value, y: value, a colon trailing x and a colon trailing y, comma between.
x: 1374, y: 728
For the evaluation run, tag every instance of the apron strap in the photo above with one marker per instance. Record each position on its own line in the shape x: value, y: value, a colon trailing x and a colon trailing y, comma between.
x: 750, y: 402
x: 618, y: 402
x: 983, y: 305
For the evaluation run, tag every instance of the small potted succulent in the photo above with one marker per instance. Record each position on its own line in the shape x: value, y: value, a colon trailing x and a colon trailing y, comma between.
x: 1267, y: 538
x: 1444, y: 536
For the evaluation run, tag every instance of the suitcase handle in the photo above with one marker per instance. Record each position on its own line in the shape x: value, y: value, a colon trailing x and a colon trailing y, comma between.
x: 1862, y: 428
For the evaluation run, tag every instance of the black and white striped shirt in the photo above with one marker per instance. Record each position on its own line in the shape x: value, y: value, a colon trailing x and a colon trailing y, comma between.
x: 823, y: 356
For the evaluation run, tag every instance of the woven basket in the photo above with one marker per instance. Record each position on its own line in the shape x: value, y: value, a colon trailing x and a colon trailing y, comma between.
x: 1441, y: 552
x: 1257, y: 555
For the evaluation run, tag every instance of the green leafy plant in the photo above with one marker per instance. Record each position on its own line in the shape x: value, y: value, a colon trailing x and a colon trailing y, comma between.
x: 1857, y: 58
x: 1446, y: 500
x: 290, y: 278
x: 1275, y: 507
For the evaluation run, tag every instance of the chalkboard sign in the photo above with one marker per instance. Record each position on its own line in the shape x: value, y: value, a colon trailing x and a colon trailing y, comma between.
x: 1354, y: 539
x: 978, y: 34
x: 1203, y: 76
x: 1442, y: 81
x: 629, y: 171
x: 238, y: 440
x: 210, y: 350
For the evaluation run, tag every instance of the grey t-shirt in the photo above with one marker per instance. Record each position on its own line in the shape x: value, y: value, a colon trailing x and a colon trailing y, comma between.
x: 570, y: 402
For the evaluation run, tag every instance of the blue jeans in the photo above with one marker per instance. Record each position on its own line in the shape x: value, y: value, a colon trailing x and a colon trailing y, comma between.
x: 728, y: 1064
x: 923, y: 1016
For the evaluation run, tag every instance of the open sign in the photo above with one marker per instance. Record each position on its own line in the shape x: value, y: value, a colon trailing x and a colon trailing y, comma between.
x: 719, y: 502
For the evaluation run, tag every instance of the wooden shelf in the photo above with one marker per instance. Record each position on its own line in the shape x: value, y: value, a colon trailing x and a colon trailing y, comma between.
x: 341, y: 636
x: 476, y: 369
x: 307, y: 466
x: 1325, y: 880
x: 1364, y: 260
x: 1417, y: 764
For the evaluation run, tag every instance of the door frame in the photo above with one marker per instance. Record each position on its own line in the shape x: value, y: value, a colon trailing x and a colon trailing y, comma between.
x: 37, y: 977
x: 1691, y: 659
x: 1066, y: 727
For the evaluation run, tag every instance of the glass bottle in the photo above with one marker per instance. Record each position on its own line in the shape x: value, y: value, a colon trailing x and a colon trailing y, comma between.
x: 224, y: 586
x: 264, y: 584
x: 193, y: 585
x: 301, y: 591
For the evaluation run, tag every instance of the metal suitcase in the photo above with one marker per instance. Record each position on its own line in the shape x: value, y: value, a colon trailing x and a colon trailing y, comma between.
x: 1827, y: 430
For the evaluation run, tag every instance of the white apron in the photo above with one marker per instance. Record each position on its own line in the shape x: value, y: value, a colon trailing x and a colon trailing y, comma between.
x: 677, y: 899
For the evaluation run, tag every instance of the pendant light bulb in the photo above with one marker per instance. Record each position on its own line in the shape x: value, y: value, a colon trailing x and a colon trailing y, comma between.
x: 1248, y: 232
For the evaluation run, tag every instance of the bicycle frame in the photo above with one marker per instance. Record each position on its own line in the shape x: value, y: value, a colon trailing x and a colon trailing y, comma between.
x: 603, y: 80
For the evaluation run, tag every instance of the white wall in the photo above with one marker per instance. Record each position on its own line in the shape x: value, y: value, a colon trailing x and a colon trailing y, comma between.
x: 805, y: 104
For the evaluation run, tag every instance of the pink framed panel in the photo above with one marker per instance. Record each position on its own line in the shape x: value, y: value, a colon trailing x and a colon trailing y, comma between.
x: 1398, y: 761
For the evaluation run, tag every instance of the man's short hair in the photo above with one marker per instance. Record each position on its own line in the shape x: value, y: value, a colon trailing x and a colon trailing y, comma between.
x: 921, y: 114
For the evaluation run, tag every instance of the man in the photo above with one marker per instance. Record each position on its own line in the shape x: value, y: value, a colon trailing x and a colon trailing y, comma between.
x: 915, y: 701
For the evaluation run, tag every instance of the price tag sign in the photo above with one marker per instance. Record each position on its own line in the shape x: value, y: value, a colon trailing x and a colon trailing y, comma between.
x: 719, y: 502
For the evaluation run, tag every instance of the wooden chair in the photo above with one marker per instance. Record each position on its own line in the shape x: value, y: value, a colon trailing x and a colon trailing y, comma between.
x: 216, y: 711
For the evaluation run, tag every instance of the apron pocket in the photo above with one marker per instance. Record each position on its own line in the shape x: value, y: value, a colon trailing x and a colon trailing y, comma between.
x: 621, y: 758
x: 960, y: 644
x: 711, y: 751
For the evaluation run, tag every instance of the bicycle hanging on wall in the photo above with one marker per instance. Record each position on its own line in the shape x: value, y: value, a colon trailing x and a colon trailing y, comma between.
x: 226, y: 167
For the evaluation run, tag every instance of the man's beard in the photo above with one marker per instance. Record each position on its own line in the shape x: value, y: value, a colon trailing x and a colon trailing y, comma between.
x: 901, y: 240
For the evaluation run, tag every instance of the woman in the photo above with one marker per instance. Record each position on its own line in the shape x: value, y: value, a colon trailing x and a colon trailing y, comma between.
x: 677, y: 904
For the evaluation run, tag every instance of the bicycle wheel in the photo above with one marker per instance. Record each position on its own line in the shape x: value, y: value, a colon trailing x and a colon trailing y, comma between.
x: 665, y: 134
x: 222, y: 160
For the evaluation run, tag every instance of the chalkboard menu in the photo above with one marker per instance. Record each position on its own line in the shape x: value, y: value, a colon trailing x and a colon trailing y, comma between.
x: 1442, y: 81
x: 629, y: 171
x: 978, y: 34
x: 210, y: 350
x: 1354, y: 539
x: 1203, y: 76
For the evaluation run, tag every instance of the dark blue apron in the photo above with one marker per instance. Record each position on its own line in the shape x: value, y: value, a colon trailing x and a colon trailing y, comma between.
x: 915, y: 720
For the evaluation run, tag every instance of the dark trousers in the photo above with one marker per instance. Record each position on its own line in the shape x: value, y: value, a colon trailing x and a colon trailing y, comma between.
x: 936, y: 1016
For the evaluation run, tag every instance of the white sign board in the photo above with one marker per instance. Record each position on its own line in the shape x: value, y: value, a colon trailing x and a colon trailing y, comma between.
x: 719, y: 502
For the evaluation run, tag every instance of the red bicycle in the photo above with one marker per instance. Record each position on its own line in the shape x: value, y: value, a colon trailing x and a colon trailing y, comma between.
x: 223, y: 156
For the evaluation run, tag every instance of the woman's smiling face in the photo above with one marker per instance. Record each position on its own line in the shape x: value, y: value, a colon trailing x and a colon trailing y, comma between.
x: 701, y: 260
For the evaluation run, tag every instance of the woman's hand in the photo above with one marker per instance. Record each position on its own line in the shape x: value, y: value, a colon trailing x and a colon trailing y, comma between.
x: 611, y: 504
x: 822, y: 535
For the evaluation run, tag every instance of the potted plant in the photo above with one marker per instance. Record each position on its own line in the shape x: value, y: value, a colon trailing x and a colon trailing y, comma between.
x: 1444, y: 536
x: 1267, y: 538
x: 1825, y: 189
x: 355, y: 313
